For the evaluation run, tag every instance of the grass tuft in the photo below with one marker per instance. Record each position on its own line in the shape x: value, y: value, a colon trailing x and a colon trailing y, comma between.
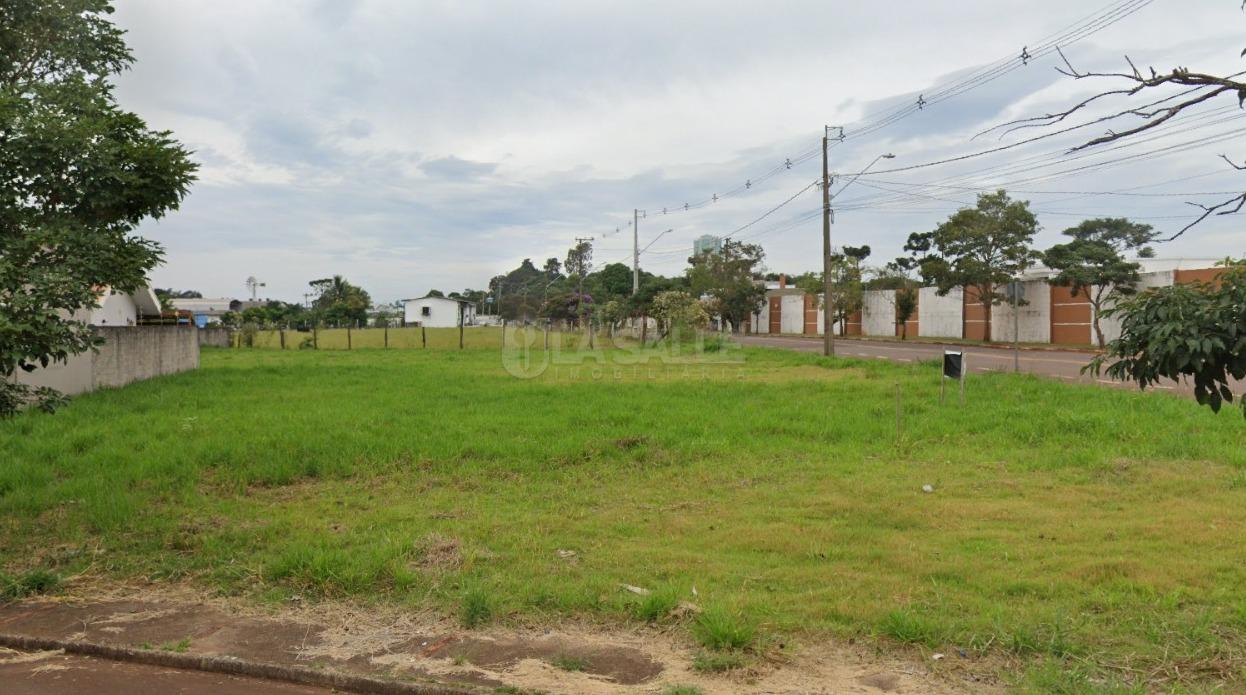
x: 657, y: 606
x: 718, y: 628
x: 569, y: 663
x: 681, y: 690
x: 476, y: 610
x: 33, y: 583
x: 710, y: 662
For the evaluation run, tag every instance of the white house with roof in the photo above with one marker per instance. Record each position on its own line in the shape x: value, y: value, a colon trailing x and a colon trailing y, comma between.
x: 438, y: 312
x: 115, y: 308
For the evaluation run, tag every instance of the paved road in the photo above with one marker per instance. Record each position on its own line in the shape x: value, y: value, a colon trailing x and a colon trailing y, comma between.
x: 1060, y: 364
x: 54, y: 673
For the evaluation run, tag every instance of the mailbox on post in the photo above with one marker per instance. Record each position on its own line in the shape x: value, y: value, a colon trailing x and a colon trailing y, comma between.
x: 954, y: 367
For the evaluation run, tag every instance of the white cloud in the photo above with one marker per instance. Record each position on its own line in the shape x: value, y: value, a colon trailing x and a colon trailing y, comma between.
x: 434, y: 144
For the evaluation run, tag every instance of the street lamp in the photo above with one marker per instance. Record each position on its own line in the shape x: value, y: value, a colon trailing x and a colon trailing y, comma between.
x: 828, y: 304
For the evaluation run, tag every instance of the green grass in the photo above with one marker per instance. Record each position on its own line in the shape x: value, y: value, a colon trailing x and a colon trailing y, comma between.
x: 681, y: 690
x: 721, y: 629
x: 477, y: 609
x: 569, y: 663
x: 716, y: 662
x: 1069, y: 524
x: 32, y: 582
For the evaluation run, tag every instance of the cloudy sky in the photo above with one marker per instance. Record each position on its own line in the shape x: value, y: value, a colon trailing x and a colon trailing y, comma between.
x: 412, y: 145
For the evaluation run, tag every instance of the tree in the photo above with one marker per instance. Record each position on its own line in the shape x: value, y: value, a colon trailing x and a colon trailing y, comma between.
x: 1178, y: 90
x: 1093, y: 263
x: 339, y: 302
x: 980, y: 248
x: 77, y: 176
x: 579, y: 263
x: 678, y: 310
x: 1195, y: 330
x: 731, y: 277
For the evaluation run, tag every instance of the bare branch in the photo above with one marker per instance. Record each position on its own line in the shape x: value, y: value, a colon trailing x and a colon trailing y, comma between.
x: 1209, y: 210
x: 1225, y: 157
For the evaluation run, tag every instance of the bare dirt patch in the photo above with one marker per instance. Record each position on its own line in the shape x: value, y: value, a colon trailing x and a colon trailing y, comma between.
x: 387, y: 641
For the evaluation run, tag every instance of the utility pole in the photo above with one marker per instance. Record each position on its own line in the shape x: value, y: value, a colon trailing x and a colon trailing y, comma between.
x: 635, y: 251
x: 828, y: 328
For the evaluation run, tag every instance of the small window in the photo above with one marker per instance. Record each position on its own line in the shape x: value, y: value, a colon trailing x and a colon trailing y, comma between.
x: 426, y: 311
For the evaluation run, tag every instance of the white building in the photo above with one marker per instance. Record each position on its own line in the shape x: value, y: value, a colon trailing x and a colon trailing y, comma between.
x: 121, y: 308
x: 438, y: 312
x: 207, y: 310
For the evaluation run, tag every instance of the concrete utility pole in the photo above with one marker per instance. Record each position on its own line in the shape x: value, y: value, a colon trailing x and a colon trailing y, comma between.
x: 828, y: 328
x: 635, y: 251
x: 828, y: 303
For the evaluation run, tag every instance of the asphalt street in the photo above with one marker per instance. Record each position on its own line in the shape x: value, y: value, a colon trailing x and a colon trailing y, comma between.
x: 1054, y: 363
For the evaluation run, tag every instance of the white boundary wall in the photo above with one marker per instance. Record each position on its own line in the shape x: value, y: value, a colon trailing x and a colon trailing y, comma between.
x: 1035, y: 315
x: 792, y: 314
x: 940, y: 317
x: 878, y: 313
x: 1112, y: 326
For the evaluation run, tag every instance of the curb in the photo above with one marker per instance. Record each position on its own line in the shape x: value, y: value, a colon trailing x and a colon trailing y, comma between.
x: 233, y: 666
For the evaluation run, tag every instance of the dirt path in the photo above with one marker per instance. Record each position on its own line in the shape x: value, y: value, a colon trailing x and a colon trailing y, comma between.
x: 388, y: 643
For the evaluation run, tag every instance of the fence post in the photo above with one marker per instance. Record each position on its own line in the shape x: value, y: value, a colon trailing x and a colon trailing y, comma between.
x: 282, y: 333
x: 387, y: 336
x: 503, y: 334
x: 423, y: 336
x: 315, y: 335
x: 547, y: 335
x: 348, y: 336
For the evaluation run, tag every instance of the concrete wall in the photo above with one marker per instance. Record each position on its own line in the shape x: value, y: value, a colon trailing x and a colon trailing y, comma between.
x: 878, y: 313
x: 1034, y: 319
x: 792, y: 321
x: 1112, y: 325
x: 214, y: 337
x: 129, y: 354
x: 939, y: 317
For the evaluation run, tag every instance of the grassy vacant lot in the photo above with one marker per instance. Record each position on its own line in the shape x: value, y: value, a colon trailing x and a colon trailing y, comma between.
x: 1094, y: 535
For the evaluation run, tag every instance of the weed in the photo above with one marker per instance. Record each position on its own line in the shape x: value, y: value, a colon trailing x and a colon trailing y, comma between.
x: 718, y: 628
x: 657, y: 605
x: 707, y: 662
x: 569, y: 663
x: 476, y: 610
x: 681, y: 690
x: 32, y: 583
x: 180, y: 647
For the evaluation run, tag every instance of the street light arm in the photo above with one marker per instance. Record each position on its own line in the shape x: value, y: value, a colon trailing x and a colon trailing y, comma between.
x: 859, y: 173
x: 651, y: 243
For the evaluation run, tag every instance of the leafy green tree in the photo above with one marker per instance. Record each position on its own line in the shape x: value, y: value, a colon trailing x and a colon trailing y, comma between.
x: 577, y: 266
x: 983, y: 248
x: 339, y: 302
x: 613, y: 281
x: 731, y: 277
x: 906, y: 306
x: 678, y: 310
x: 1195, y: 330
x: 77, y: 176
x: 1093, y: 263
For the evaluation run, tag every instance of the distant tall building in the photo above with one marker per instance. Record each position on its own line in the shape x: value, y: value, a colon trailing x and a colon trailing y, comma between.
x: 707, y: 244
